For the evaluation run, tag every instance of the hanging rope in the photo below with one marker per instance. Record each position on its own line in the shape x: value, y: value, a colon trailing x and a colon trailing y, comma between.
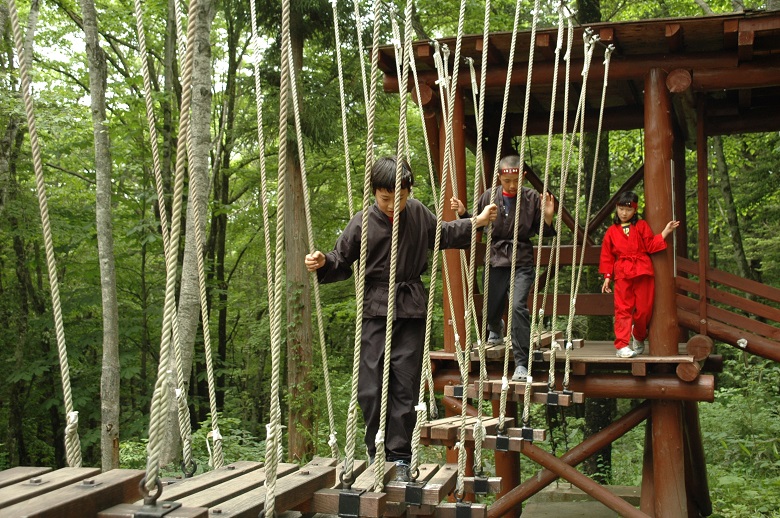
x: 72, y: 441
x: 575, y: 289
x: 160, y: 395
x: 352, y: 412
x: 274, y: 427
x: 508, y: 337
x: 185, y: 428
x: 332, y: 442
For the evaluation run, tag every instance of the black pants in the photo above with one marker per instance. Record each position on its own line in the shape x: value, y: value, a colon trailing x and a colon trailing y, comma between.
x: 498, y: 291
x: 404, y: 386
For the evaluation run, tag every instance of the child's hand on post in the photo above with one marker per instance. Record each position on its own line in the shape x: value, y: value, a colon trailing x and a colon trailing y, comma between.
x: 314, y: 261
x: 605, y: 287
x: 487, y: 215
x: 669, y: 228
x: 457, y: 206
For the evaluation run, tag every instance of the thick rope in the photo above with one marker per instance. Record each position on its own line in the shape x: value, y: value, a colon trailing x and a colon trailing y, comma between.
x: 274, y: 427
x: 185, y: 427
x: 527, y: 102
x: 72, y: 442
x: 352, y: 412
x: 580, y: 267
x: 332, y: 442
x: 156, y: 420
x: 565, y: 168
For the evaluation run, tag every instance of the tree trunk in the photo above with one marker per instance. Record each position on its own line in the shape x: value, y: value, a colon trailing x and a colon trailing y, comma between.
x: 109, y: 381
x: 299, y: 332
x: 724, y: 183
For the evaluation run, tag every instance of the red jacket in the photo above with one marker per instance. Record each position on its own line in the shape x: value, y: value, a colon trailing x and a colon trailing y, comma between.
x: 626, y: 256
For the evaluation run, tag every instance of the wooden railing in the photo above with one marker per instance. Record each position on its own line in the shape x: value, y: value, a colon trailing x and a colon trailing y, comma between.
x: 728, y: 308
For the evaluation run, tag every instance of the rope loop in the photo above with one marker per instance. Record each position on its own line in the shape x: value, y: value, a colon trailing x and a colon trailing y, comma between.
x: 150, y: 499
x: 188, y: 473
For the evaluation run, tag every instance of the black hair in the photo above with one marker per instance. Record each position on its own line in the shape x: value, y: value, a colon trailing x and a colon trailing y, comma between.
x: 627, y: 199
x: 509, y: 161
x: 383, y: 174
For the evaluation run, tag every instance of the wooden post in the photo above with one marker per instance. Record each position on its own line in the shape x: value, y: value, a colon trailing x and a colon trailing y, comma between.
x: 454, y: 320
x: 667, y: 431
x: 508, y: 464
x: 703, y: 204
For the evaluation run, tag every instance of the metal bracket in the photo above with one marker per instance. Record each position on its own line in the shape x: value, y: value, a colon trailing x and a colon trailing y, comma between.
x: 481, y: 486
x: 156, y: 511
x: 502, y: 442
x: 463, y: 510
x: 457, y: 391
x: 527, y: 433
x: 414, y: 493
x: 349, y: 503
x: 538, y: 355
x: 552, y: 398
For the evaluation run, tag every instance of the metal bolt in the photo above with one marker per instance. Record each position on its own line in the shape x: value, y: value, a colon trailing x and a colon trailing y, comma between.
x: 216, y: 511
x: 231, y: 467
x: 89, y: 482
x: 35, y: 480
x: 304, y: 472
x: 166, y: 506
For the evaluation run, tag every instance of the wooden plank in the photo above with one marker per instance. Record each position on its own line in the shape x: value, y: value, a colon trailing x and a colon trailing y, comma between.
x: 449, y: 510
x: 326, y: 501
x: 41, y: 484
x: 396, y: 490
x: 20, y: 473
x: 366, y: 479
x: 178, y: 489
x: 358, y: 468
x: 291, y: 491
x: 228, y: 489
x: 130, y: 510
x: 733, y: 281
x: 84, y: 499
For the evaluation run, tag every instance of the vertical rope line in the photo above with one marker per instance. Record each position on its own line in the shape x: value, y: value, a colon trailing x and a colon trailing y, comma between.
x: 342, y: 99
x: 313, y: 276
x: 273, y: 444
x: 572, y: 304
x: 535, y: 318
x: 72, y: 441
x: 156, y: 421
x: 183, y: 411
x: 360, y: 290
x: 513, y: 267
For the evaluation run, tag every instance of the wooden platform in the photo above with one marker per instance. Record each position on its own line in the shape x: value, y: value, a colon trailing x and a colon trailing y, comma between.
x: 235, y: 490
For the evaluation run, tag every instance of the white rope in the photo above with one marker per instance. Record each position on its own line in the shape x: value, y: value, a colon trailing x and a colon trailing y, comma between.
x: 72, y: 442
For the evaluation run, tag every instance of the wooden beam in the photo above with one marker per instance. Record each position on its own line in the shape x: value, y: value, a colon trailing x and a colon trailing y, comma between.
x: 745, y: 45
x: 674, y: 37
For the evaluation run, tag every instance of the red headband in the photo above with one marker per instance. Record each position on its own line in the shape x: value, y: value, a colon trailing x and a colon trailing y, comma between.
x: 510, y: 170
x: 631, y: 204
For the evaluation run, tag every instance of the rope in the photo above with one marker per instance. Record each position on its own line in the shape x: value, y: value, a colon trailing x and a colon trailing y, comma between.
x: 72, y: 442
x: 274, y: 427
x: 351, y: 434
x: 527, y: 102
x: 575, y: 288
x: 156, y: 420
x: 313, y: 276
x: 183, y: 411
x: 589, y: 41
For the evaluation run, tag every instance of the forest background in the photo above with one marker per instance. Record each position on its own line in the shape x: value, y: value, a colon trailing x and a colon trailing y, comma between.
x: 108, y: 247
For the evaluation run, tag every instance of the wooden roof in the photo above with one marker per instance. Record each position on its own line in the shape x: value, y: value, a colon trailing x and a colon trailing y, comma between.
x: 731, y: 62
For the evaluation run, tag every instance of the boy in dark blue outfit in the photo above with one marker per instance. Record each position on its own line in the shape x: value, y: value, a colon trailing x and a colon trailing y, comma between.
x: 416, y: 234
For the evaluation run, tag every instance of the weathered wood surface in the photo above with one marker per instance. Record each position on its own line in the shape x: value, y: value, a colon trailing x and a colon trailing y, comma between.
x: 83, y: 499
x: 20, y: 473
x: 40, y: 484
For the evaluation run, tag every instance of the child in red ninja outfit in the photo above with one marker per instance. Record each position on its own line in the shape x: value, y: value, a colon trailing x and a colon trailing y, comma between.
x: 625, y: 258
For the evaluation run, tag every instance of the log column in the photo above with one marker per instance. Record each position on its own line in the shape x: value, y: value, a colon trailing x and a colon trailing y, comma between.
x: 454, y: 316
x: 667, y: 431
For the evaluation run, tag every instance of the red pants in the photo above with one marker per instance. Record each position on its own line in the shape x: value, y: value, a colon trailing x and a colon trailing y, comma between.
x: 633, y: 308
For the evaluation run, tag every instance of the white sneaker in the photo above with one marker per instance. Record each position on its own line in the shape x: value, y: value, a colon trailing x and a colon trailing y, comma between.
x: 521, y: 373
x: 625, y: 352
x: 638, y: 346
